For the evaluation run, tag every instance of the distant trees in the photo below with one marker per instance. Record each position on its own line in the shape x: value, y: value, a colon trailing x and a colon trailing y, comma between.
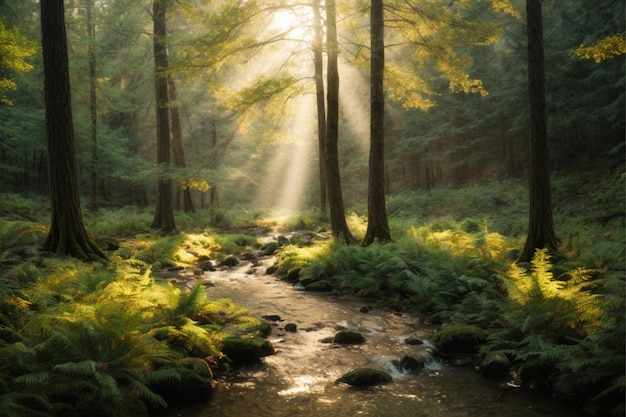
x: 67, y: 234
x: 540, y: 225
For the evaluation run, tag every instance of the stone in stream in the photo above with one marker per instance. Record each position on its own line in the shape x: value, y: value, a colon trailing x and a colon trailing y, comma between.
x: 348, y: 337
x: 365, y: 377
x: 291, y: 327
x: 495, y: 364
x: 230, y: 262
x: 410, y: 363
x: 413, y: 341
x: 246, y: 350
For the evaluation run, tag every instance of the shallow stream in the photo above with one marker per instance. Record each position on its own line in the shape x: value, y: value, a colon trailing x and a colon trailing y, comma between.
x: 299, y: 380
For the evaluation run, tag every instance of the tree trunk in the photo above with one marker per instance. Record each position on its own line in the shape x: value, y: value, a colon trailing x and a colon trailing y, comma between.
x: 318, y: 64
x: 540, y: 226
x: 335, y: 199
x: 67, y: 235
x: 178, y: 151
x: 91, y: 35
x: 164, y: 213
x: 377, y: 225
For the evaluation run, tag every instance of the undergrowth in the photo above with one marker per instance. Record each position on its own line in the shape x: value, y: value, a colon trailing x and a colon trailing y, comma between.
x: 109, y: 339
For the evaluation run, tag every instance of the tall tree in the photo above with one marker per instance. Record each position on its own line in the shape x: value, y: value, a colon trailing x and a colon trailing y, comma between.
x: 164, y: 213
x: 91, y: 52
x: 318, y: 64
x: 540, y: 225
x: 178, y: 151
x: 377, y: 225
x: 67, y: 235
x: 335, y: 199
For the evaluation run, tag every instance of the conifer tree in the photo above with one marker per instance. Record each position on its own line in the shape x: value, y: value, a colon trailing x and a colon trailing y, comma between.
x: 67, y: 235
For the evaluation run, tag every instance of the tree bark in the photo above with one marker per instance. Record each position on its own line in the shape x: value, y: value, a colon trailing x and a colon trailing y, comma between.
x: 318, y: 64
x: 335, y: 199
x: 540, y: 225
x: 377, y: 225
x: 67, y: 235
x: 178, y: 151
x: 164, y: 213
x: 91, y: 35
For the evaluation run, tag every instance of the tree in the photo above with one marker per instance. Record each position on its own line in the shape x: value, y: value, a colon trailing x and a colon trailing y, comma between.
x: 67, y: 235
x: 178, y: 151
x: 540, y: 226
x: 377, y: 225
x: 91, y: 35
x: 338, y: 223
x: 318, y: 64
x: 164, y: 213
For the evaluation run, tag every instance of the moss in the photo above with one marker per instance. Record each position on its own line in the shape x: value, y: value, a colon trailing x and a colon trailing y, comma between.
x: 246, y: 350
x: 459, y: 339
x: 320, y: 286
x: 348, y: 337
x: 365, y: 377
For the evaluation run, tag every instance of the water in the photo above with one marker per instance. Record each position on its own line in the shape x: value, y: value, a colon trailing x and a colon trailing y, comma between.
x: 299, y: 380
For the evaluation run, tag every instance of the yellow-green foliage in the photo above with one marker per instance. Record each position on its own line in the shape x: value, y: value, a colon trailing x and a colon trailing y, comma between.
x: 555, y: 309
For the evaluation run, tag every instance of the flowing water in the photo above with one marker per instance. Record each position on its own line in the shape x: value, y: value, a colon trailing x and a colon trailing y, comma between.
x: 299, y: 380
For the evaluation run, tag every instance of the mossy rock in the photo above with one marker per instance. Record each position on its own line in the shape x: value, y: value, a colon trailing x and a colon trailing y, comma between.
x: 306, y: 281
x: 348, y: 337
x: 269, y: 248
x: 365, y: 377
x: 246, y: 350
x: 459, y: 339
x: 495, y: 364
x: 293, y: 275
x: 320, y: 286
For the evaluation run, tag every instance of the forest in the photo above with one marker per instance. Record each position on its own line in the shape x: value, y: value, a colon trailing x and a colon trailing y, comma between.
x: 458, y: 163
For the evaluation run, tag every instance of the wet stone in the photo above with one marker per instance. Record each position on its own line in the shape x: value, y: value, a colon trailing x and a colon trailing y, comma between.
x: 291, y: 327
x: 348, y: 337
x: 413, y: 341
x: 365, y: 377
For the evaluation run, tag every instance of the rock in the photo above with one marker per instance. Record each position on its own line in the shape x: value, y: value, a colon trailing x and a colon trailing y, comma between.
x: 329, y: 339
x: 291, y: 327
x: 293, y: 275
x: 230, y: 262
x: 269, y: 248
x: 246, y: 350
x: 348, y: 337
x: 495, y: 364
x: 459, y: 339
x: 271, y: 270
x: 413, y: 341
x: 207, y: 266
x: 320, y: 286
x: 271, y: 317
x: 365, y: 377
x: 410, y: 363
x: 365, y: 309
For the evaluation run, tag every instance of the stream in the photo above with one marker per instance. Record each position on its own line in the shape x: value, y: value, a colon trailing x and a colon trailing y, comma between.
x: 299, y: 380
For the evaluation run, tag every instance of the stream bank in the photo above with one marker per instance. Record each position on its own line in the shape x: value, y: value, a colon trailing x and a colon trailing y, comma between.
x: 299, y: 379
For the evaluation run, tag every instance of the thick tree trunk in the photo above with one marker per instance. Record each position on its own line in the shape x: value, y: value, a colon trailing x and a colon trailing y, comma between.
x: 335, y: 199
x: 91, y: 35
x: 178, y: 151
x: 67, y: 234
x: 540, y: 226
x: 164, y: 213
x: 319, y: 95
x: 377, y: 225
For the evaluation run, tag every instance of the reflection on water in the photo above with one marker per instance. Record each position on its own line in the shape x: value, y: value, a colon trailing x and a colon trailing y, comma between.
x: 300, y: 379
